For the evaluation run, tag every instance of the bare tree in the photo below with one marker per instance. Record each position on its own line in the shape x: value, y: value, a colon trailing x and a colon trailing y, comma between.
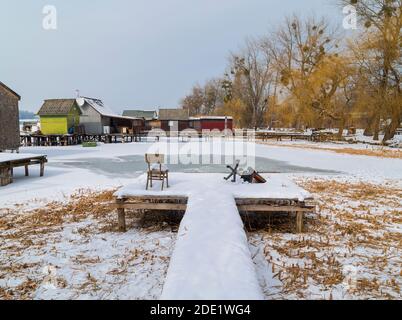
x: 204, y: 100
x: 311, y: 69
x: 194, y: 102
x: 213, y: 96
x: 251, y: 80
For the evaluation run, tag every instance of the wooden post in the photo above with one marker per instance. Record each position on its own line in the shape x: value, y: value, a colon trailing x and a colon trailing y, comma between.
x: 299, y: 221
x: 26, y: 170
x: 42, y: 168
x: 5, y: 176
x: 121, y: 219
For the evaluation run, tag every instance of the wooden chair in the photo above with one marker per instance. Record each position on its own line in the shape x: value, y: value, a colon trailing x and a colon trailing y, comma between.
x: 156, y: 169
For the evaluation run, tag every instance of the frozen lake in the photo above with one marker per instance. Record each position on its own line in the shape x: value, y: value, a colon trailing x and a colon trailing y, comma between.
x: 132, y: 166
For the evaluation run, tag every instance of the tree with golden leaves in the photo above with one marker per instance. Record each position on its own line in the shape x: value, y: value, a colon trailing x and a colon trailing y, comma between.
x: 378, y: 54
x: 312, y: 69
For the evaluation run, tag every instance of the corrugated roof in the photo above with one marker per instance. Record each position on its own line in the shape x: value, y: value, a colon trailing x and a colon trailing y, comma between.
x: 57, y: 107
x: 146, y: 114
x: 11, y: 90
x: 173, y: 114
x: 104, y: 110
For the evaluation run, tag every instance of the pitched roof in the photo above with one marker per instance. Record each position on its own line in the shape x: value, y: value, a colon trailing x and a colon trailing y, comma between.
x: 146, y: 114
x: 9, y: 89
x: 103, y: 109
x: 173, y: 114
x: 57, y: 107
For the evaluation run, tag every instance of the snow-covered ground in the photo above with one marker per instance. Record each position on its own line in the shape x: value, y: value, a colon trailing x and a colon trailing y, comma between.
x: 351, y: 250
x: 360, y: 137
x: 82, y: 258
x: 61, y: 180
x: 211, y: 259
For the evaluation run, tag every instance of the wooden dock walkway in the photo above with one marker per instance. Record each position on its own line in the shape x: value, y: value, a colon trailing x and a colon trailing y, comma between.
x: 40, y: 140
x: 244, y: 206
x: 211, y: 259
x: 280, y: 136
x: 9, y: 161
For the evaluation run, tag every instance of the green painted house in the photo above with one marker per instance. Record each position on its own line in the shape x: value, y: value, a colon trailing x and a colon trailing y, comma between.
x: 59, y: 116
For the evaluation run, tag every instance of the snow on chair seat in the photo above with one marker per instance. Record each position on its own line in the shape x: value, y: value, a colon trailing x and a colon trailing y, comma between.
x: 157, y: 170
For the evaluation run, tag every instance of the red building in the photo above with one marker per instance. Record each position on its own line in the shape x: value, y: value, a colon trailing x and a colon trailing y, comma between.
x: 211, y: 123
x: 177, y: 120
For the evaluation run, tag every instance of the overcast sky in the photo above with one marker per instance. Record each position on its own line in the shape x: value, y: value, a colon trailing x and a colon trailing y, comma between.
x: 131, y: 53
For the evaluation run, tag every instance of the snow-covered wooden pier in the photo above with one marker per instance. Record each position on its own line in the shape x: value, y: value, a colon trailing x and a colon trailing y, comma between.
x: 9, y: 161
x: 211, y: 259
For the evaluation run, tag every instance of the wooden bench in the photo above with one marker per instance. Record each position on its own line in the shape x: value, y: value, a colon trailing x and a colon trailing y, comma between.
x: 7, y: 167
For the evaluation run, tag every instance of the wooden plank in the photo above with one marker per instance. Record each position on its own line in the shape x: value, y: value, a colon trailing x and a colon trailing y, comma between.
x: 152, y: 206
x: 148, y: 198
x: 308, y: 203
x: 253, y: 200
x: 22, y: 160
x: 25, y: 163
x: 268, y: 208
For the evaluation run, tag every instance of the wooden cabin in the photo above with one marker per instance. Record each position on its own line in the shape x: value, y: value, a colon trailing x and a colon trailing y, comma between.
x: 150, y: 117
x: 173, y: 120
x: 97, y: 118
x: 9, y: 119
x: 59, y: 116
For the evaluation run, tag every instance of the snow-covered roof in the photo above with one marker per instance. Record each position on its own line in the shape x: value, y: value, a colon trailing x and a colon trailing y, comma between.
x: 101, y: 108
x: 146, y: 114
x: 211, y: 118
x: 5, y: 157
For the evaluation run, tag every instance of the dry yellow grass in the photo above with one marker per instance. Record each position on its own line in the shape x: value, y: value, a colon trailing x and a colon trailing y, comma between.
x: 24, y: 232
x: 20, y: 231
x: 381, y: 153
x: 355, y: 221
x: 352, y: 226
x: 83, y: 204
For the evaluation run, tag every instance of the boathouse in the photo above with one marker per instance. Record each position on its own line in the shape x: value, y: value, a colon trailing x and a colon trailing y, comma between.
x: 9, y: 119
x: 150, y: 117
x: 59, y: 116
x: 173, y: 120
x: 97, y: 118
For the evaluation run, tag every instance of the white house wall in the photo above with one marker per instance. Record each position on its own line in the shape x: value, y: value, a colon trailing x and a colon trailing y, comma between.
x: 91, y: 120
